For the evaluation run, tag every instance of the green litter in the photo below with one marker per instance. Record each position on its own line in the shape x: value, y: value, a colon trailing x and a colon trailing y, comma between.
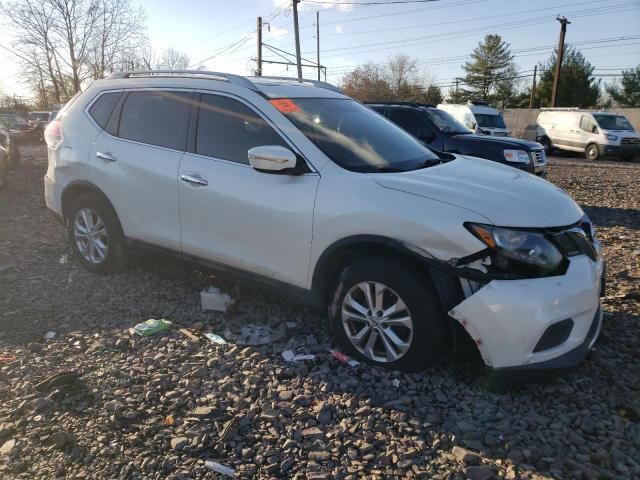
x: 151, y: 327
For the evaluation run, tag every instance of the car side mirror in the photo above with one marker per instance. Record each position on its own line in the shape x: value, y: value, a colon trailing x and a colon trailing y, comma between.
x: 471, y: 125
x: 271, y: 158
x: 594, y: 129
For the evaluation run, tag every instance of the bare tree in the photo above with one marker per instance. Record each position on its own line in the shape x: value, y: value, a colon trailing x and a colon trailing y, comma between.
x: 173, y: 59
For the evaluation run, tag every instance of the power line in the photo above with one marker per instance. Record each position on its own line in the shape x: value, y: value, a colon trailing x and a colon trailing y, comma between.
x: 390, y: 2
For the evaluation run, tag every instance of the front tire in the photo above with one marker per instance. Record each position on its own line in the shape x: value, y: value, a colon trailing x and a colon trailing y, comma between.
x: 592, y: 152
x: 95, y: 234
x: 385, y: 311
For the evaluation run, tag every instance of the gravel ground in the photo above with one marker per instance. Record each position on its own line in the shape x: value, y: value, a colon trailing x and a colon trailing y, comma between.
x: 160, y: 406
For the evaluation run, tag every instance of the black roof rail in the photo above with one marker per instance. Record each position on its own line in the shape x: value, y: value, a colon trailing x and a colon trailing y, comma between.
x: 404, y: 104
x: 316, y: 83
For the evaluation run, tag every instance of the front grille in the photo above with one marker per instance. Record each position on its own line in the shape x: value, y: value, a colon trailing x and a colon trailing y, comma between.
x: 575, y: 242
x: 539, y: 157
x: 630, y: 142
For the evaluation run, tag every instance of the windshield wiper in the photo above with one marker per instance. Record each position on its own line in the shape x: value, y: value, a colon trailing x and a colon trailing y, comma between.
x: 389, y: 170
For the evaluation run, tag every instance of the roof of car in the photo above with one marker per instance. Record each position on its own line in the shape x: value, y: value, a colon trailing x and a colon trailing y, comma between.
x: 401, y: 104
x: 272, y: 87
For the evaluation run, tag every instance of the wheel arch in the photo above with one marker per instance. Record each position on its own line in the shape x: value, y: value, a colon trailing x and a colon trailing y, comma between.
x: 80, y: 187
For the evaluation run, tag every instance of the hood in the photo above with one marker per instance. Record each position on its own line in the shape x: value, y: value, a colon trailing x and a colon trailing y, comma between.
x: 504, y: 195
x: 506, y: 142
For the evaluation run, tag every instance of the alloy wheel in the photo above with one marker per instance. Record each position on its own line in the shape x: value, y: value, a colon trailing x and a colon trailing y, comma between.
x: 377, y: 322
x: 90, y: 235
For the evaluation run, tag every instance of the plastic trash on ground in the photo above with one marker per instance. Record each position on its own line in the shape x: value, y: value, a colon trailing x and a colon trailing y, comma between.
x: 49, y: 335
x: 213, y: 299
x: 151, y: 327
x: 219, y: 468
x: 255, y: 334
x: 64, y: 259
x: 213, y: 338
x: 290, y: 356
x: 341, y: 357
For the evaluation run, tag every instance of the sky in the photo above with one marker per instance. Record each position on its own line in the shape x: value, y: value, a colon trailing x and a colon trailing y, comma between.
x: 221, y: 35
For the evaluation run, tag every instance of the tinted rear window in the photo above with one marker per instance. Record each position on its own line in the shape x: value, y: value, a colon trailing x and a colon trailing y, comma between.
x: 101, y: 109
x: 156, y: 117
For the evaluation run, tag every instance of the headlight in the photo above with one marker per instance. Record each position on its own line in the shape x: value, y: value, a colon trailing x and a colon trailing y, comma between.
x: 518, y: 251
x: 612, y: 137
x: 516, y: 156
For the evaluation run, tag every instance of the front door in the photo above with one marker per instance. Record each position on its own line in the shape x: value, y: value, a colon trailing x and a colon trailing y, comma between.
x: 235, y: 216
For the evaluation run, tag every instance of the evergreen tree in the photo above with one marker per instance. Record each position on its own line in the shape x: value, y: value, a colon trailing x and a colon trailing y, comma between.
x: 629, y: 94
x: 578, y: 87
x: 491, y: 68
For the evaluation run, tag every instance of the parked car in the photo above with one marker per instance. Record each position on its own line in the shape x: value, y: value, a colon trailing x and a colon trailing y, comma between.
x: 440, y: 131
x: 10, y: 146
x: 595, y: 134
x: 478, y: 117
x: 20, y: 129
x: 39, y: 120
x: 297, y: 185
x: 4, y: 157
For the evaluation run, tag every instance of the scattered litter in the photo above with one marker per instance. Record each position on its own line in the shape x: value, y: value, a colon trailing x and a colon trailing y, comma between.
x: 49, y: 335
x: 291, y: 325
x: 341, y: 357
x: 189, y: 334
x: 213, y: 338
x: 168, y: 421
x: 64, y: 259
x: 7, y: 358
x: 213, y: 299
x: 289, y: 356
x: 219, y: 468
x: 151, y: 327
x: 395, y: 382
x: 255, y: 334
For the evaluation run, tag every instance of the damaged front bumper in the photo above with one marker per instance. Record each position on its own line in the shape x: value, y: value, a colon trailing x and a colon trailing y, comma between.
x: 548, y: 322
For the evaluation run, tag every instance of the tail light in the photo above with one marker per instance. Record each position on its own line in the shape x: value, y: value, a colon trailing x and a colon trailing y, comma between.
x: 53, y: 134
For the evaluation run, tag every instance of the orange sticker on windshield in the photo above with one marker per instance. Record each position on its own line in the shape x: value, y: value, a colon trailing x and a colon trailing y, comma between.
x: 285, y: 105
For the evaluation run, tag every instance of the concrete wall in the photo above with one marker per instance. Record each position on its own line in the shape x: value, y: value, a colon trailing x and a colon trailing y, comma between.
x: 518, y: 119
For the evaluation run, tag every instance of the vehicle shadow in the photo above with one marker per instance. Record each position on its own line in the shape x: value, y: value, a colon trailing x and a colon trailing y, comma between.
x: 613, y: 217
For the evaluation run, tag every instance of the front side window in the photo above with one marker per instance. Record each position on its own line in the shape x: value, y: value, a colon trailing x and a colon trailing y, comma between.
x: 586, y: 124
x: 355, y: 137
x: 228, y: 129
x: 156, y: 118
x: 490, y: 121
x: 411, y: 120
x: 101, y: 109
x: 613, y: 122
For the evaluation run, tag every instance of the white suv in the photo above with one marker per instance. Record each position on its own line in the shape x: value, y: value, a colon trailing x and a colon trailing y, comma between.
x: 297, y: 185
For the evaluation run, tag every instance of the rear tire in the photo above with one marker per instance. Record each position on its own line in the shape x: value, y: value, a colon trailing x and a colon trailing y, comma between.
x: 95, y: 234
x: 386, y: 312
x: 548, y: 148
x: 592, y: 152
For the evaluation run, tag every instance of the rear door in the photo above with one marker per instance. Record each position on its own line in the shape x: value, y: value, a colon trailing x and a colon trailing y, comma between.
x: 415, y: 122
x: 135, y: 161
x: 233, y: 215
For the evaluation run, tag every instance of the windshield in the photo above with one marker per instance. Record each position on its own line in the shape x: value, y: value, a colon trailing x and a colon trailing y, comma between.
x: 354, y: 136
x: 445, y: 122
x: 613, y: 122
x: 488, y: 120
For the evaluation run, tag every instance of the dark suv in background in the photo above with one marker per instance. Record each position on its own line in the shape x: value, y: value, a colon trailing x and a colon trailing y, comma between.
x: 440, y: 131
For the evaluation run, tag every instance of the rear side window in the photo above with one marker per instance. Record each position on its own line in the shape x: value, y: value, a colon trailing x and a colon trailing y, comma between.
x: 156, y: 117
x: 410, y: 120
x: 101, y: 109
x: 228, y: 129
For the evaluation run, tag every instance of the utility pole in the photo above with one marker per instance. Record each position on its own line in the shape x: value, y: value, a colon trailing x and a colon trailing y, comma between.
x: 259, y: 69
x: 318, y: 41
x: 533, y: 87
x: 297, y: 32
x: 556, y: 79
x: 457, y: 83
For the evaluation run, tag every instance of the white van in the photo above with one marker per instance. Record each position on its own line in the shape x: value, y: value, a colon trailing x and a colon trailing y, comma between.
x: 595, y: 134
x: 478, y: 117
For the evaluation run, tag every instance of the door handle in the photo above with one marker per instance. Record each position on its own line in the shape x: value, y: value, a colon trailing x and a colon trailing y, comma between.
x: 108, y: 156
x: 194, y: 178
